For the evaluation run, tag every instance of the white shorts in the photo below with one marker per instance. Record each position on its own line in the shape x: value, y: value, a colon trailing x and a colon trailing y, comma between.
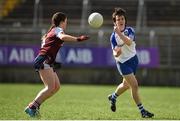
x: 46, y: 66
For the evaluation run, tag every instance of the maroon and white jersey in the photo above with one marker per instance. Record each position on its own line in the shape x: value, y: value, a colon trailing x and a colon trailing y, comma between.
x: 51, y: 44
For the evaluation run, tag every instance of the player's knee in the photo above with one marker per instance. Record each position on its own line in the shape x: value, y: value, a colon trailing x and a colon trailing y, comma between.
x: 57, y: 87
x: 125, y: 85
x: 53, y: 88
x: 50, y: 89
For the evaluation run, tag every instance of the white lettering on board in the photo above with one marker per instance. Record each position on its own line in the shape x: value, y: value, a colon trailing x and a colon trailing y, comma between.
x: 21, y: 55
x: 83, y: 56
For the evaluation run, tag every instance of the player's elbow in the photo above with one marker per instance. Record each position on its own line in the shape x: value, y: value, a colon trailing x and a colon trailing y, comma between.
x: 129, y: 43
x: 63, y: 37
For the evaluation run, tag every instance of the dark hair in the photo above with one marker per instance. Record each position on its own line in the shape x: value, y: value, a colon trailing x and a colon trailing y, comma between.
x: 119, y: 12
x: 57, y: 18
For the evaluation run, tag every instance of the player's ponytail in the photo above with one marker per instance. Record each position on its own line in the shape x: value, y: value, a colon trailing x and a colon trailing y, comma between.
x: 57, y: 18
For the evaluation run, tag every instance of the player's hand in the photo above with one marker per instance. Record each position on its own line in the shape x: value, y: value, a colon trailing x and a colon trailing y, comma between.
x: 57, y: 65
x: 116, y: 29
x: 82, y: 38
x: 117, y: 51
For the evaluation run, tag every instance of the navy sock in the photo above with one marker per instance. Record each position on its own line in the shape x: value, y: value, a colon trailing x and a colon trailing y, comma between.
x: 114, y: 95
x: 140, y: 107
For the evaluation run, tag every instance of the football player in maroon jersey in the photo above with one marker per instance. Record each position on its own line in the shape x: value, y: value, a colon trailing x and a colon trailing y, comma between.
x: 43, y: 63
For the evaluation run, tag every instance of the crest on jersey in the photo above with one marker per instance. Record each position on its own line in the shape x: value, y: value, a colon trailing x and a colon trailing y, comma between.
x: 126, y: 32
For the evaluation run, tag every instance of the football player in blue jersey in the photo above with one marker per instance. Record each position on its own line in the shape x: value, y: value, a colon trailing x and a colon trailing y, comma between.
x: 124, y: 51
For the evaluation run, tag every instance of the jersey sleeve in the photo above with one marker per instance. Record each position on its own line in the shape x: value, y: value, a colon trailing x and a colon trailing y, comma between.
x: 59, y: 31
x: 131, y: 33
x: 113, y: 40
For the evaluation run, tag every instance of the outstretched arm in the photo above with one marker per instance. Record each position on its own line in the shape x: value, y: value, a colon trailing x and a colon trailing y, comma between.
x: 66, y: 37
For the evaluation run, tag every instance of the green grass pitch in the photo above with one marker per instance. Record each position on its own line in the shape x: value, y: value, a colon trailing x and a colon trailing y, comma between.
x: 88, y: 102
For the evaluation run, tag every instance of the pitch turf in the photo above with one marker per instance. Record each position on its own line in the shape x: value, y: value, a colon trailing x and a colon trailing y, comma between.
x: 88, y: 102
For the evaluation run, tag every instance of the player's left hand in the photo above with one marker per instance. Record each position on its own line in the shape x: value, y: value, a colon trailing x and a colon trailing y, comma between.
x: 82, y: 38
x: 57, y: 65
x: 117, y: 51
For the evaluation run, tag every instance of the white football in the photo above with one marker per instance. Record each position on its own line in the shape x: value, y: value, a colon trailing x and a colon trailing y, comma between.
x: 95, y: 20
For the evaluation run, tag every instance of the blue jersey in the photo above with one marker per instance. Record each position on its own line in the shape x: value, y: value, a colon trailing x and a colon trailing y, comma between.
x: 127, y: 51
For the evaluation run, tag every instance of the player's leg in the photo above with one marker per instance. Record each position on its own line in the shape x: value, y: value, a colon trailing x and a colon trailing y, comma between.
x: 57, y: 83
x: 119, y: 90
x: 130, y: 78
x: 47, y: 76
x: 133, y: 83
x: 122, y: 87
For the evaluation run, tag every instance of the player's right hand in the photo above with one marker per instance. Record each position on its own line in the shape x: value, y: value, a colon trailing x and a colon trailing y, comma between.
x: 82, y: 38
